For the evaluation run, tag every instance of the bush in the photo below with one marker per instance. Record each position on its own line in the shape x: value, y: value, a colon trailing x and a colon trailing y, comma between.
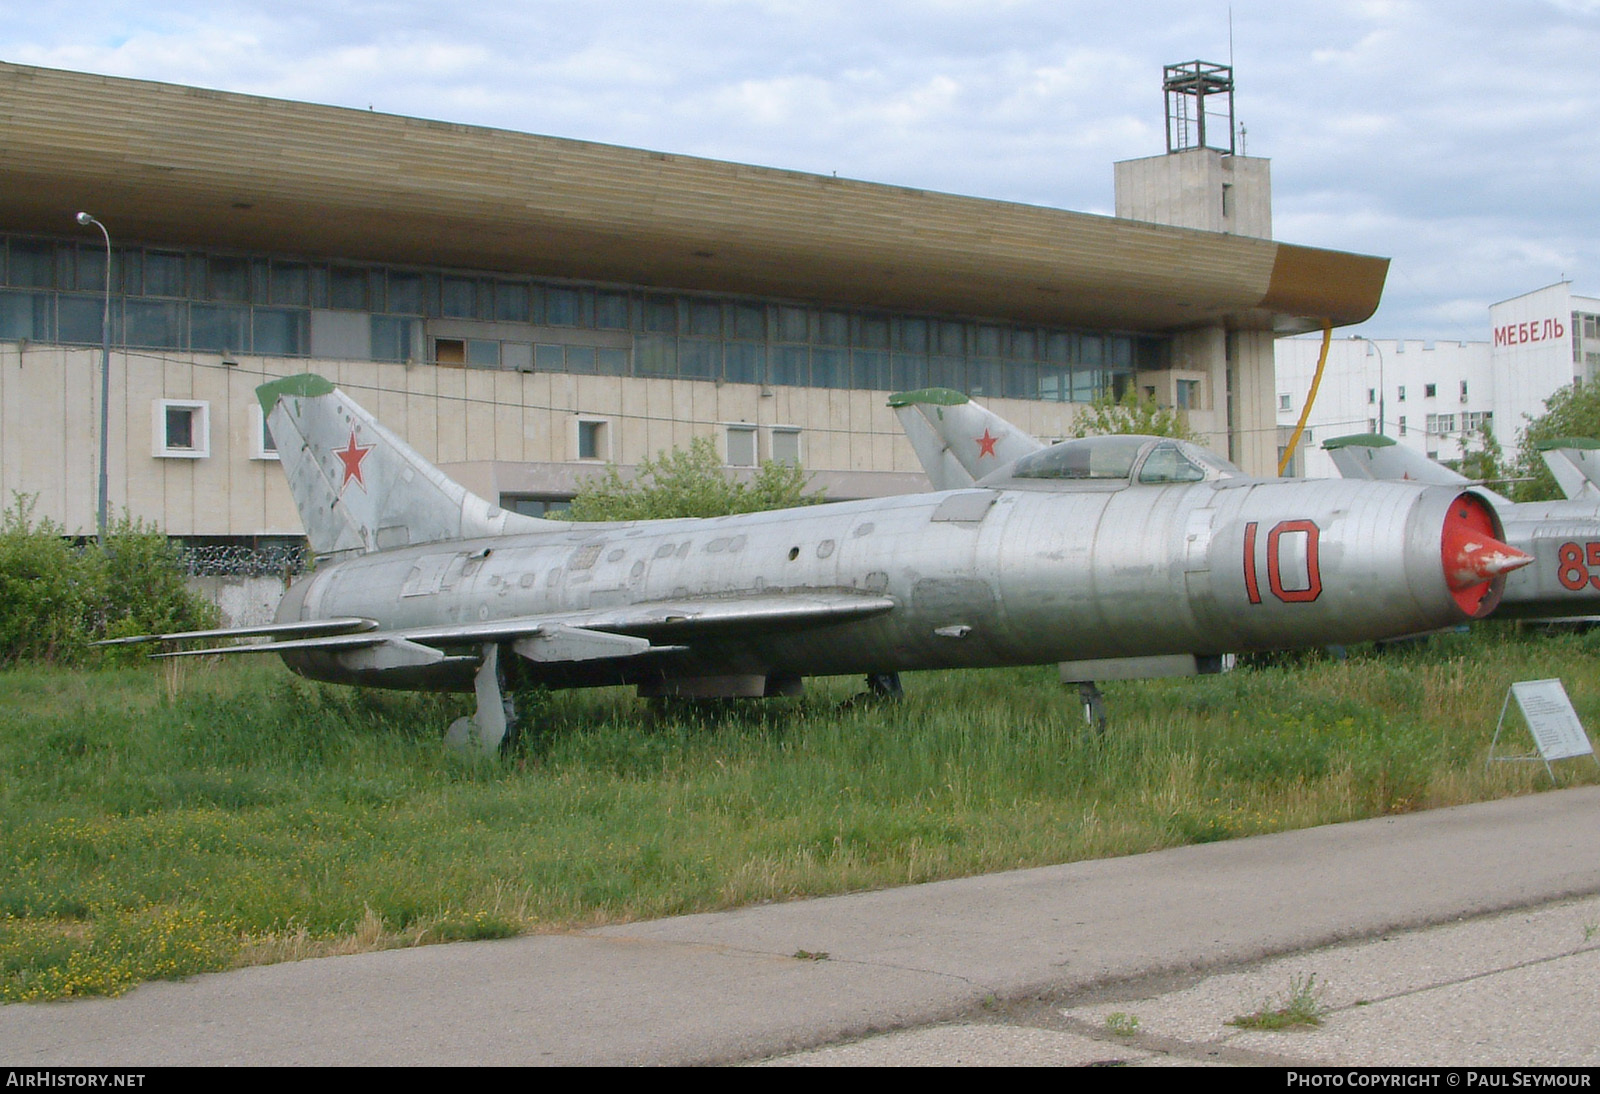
x: 688, y: 483
x: 49, y: 592
x: 1133, y: 414
x: 56, y: 598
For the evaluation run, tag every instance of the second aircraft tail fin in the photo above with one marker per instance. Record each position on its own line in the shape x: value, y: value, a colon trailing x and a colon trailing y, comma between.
x: 957, y: 441
x: 1373, y: 456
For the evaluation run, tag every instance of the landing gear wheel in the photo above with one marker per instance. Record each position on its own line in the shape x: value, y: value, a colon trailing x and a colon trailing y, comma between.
x: 1094, y: 706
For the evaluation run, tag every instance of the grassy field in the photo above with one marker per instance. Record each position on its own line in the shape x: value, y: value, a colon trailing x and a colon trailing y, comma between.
x: 156, y: 827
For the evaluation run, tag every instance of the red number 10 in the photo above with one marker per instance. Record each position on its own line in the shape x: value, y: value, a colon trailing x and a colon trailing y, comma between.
x: 1313, y: 587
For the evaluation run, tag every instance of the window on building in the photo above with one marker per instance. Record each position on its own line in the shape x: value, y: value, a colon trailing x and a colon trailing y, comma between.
x: 182, y: 429
x: 741, y: 446
x: 451, y: 352
x: 1463, y: 391
x: 163, y: 273
x: 1186, y: 394
x: 265, y: 448
x: 1402, y: 425
x: 279, y: 332
x: 392, y: 338
x: 535, y: 505
x: 1402, y: 393
x: 1372, y: 395
x: 457, y: 298
x: 347, y: 288
x: 483, y: 353
x: 785, y: 444
x: 1285, y: 402
x: 611, y: 310
x: 593, y: 439
x: 1430, y: 391
x: 517, y: 356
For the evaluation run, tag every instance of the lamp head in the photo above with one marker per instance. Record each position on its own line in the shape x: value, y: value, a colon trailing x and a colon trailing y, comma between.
x: 85, y: 219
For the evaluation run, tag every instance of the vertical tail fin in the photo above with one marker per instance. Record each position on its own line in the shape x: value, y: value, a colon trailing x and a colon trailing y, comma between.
x: 1575, y: 463
x: 1371, y: 456
x: 958, y: 441
x: 361, y: 488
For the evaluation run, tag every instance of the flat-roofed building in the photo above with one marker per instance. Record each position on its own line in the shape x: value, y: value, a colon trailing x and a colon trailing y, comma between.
x: 523, y: 308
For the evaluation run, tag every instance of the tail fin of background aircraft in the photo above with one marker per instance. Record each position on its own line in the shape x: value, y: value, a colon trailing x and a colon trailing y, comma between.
x: 958, y: 441
x: 361, y: 488
x: 1371, y: 456
x: 1575, y: 463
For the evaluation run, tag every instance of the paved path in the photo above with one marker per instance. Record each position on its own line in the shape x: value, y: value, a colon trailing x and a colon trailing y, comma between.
x: 1024, y: 966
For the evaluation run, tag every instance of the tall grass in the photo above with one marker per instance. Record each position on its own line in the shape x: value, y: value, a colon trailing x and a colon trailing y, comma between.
x: 249, y: 815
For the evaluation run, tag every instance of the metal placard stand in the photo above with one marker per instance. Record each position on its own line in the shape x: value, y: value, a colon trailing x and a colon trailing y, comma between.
x: 1557, y: 733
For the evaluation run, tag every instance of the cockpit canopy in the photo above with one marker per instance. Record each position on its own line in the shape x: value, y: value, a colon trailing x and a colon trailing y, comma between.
x: 1117, y: 460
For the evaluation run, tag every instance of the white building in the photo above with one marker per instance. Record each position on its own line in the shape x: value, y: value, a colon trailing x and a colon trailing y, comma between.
x: 1432, y: 395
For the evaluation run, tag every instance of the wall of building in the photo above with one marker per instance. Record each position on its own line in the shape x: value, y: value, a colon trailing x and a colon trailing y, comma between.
x: 1403, y: 371
x: 1205, y: 189
x: 1198, y: 188
x: 500, y: 432
x: 1539, y: 342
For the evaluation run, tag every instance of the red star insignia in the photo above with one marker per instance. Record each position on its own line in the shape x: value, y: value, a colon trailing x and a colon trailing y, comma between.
x: 986, y: 444
x: 351, y: 457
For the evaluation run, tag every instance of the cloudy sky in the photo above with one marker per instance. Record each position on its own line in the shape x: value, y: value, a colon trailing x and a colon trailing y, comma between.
x: 1459, y: 137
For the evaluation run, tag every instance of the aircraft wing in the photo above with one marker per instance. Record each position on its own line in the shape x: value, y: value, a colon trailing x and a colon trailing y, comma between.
x: 593, y: 634
x: 265, y: 630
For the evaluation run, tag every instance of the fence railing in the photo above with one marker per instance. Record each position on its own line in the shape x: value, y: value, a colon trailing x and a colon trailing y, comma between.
x: 231, y: 560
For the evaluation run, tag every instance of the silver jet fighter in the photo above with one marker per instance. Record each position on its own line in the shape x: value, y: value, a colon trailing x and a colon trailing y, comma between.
x: 1562, y: 537
x: 1104, y: 548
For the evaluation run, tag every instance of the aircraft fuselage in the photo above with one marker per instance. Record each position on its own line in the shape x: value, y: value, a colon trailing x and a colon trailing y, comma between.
x: 977, y: 578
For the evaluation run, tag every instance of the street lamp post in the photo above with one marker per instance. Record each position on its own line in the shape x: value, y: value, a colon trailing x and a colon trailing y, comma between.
x: 1382, y: 425
x: 105, y: 373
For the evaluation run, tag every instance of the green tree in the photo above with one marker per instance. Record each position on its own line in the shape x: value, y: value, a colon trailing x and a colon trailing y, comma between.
x: 1482, y: 459
x: 1573, y: 411
x: 688, y: 482
x: 1133, y: 414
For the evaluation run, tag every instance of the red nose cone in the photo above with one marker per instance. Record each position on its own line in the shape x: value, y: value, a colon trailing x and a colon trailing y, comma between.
x: 1473, y: 558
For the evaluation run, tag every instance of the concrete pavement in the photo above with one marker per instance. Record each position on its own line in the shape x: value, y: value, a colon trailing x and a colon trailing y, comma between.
x: 1396, y: 917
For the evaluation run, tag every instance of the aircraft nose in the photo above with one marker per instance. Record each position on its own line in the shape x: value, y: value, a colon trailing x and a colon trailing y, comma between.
x: 1474, y: 560
x: 1471, y: 560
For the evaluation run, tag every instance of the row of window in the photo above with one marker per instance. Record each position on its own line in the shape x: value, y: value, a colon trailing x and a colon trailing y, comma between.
x: 214, y: 328
x: 181, y: 429
x: 1439, y: 425
x: 35, y: 263
x: 1585, y: 328
x: 267, y: 306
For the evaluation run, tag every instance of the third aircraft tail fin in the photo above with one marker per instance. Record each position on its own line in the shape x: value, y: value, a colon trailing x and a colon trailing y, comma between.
x: 1575, y: 463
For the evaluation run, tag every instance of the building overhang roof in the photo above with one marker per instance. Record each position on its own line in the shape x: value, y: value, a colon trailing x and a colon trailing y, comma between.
x: 181, y: 166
